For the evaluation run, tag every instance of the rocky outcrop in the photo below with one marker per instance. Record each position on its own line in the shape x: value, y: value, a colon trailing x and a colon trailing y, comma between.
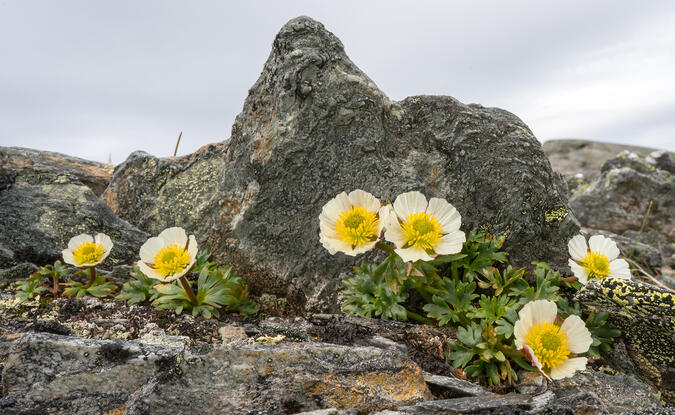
x: 44, y: 205
x: 619, y: 200
x: 44, y: 164
x: 572, y: 157
x: 314, y: 125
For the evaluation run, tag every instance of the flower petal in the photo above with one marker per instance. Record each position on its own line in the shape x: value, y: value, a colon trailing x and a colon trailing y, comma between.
x: 149, y: 272
x: 534, y: 312
x: 604, y: 246
x: 577, y: 334
x: 619, y: 269
x: 568, y: 367
x: 106, y: 242
x: 451, y: 243
x: 577, y: 248
x: 393, y: 231
x: 192, y: 248
x: 579, y: 271
x: 334, y: 244
x: 413, y: 254
x: 150, y: 248
x: 68, y: 257
x: 410, y: 202
x: 445, y: 213
x: 78, y: 240
x: 360, y: 197
x: 174, y: 236
x: 383, y: 217
x: 330, y: 213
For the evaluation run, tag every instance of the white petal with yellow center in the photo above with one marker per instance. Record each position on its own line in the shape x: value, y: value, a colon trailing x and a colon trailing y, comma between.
x: 533, y: 313
x: 84, y: 251
x: 445, y: 213
x: 548, y: 345
x: 422, y: 230
x: 579, y: 271
x: 604, y: 246
x: 409, y: 203
x: 168, y: 256
x: 351, y: 223
x: 577, y: 247
x: 568, y: 367
x: 577, y: 334
x: 619, y: 269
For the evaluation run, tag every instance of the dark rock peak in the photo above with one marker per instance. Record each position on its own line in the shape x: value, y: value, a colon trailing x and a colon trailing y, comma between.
x: 314, y: 125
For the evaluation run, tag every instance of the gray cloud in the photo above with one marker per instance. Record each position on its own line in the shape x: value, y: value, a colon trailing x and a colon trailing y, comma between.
x: 98, y: 78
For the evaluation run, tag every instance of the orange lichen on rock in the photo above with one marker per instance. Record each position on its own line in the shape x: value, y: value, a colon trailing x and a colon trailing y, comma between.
x: 375, y: 390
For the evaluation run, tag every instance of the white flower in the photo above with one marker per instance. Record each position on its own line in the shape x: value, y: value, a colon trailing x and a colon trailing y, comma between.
x: 168, y: 256
x: 85, y: 252
x: 350, y: 223
x: 597, y: 262
x: 548, y: 345
x: 421, y: 230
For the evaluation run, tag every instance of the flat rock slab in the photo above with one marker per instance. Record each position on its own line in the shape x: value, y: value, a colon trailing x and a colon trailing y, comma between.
x: 314, y: 125
x: 68, y: 375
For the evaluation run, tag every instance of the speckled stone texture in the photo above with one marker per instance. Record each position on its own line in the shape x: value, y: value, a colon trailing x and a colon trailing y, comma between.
x: 26, y: 161
x: 47, y: 373
x: 314, y: 125
x: 42, y: 206
x: 619, y: 198
x: 646, y: 317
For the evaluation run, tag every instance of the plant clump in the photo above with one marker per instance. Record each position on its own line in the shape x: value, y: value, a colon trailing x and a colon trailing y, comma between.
x: 506, y: 318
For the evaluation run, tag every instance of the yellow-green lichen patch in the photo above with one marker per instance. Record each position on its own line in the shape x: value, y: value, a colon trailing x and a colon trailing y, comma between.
x: 646, y: 317
x: 556, y: 215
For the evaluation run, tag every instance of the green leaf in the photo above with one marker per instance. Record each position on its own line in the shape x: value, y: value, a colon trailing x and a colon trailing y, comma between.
x: 377, y: 291
x: 140, y: 288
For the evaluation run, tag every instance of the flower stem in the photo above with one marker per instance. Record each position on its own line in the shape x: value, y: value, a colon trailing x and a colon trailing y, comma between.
x: 188, y: 290
x: 384, y: 247
x: 414, y: 316
x: 92, y: 277
x: 56, y: 287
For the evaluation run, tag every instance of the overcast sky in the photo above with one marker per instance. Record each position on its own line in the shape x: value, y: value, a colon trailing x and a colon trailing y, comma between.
x: 93, y: 78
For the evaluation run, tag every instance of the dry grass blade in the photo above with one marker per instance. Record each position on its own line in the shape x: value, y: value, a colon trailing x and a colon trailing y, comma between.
x: 175, y: 150
x: 648, y: 275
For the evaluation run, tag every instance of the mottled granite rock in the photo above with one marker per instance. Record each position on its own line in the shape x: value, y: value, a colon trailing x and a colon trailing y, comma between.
x: 65, y: 375
x: 43, y: 164
x: 646, y: 317
x: 602, y: 392
x: 314, y: 125
x: 43, y: 209
x: 619, y: 198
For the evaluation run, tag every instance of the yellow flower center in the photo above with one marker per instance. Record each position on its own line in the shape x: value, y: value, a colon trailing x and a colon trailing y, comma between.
x: 171, y: 260
x: 549, y: 343
x: 596, y: 264
x: 88, y: 253
x: 422, y: 230
x: 357, y: 226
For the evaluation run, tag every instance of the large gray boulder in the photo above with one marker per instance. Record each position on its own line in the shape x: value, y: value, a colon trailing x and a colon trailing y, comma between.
x: 314, y: 125
x: 43, y: 205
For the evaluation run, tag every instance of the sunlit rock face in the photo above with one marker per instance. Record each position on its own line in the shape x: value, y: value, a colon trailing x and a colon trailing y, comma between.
x: 314, y: 125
